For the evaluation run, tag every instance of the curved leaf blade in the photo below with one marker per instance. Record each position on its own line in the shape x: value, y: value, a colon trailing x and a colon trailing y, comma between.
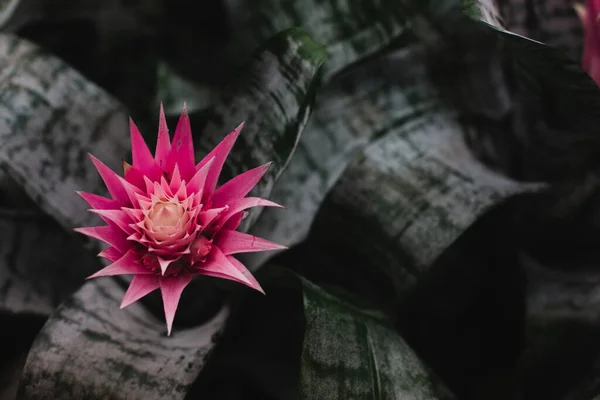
x: 274, y: 96
x: 90, y: 348
x: 34, y: 253
x: 355, y: 353
x: 51, y: 117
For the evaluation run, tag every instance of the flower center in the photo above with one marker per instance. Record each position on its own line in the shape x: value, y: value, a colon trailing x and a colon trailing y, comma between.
x: 165, y: 214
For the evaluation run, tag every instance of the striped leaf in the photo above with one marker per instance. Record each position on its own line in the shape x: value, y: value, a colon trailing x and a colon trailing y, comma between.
x: 354, y: 353
x: 51, y: 116
x: 274, y: 95
x: 549, y: 21
x: 350, y: 30
x: 349, y: 113
x: 36, y: 256
x: 89, y: 348
x: 330, y: 347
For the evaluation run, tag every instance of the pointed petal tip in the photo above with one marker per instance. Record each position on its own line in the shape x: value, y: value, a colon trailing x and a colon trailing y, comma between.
x: 238, y: 129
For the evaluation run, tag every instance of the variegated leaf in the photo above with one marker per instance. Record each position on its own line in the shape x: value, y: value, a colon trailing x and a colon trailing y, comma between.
x: 351, y: 352
x: 50, y: 118
x: 331, y: 346
x: 37, y: 262
x: 274, y: 96
x: 350, y: 30
x: 89, y: 348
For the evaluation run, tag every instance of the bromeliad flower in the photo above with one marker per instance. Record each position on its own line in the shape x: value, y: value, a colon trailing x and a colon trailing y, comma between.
x: 589, y: 14
x: 167, y: 221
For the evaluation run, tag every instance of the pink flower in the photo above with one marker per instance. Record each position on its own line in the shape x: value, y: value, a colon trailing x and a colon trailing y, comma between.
x: 167, y: 221
x: 590, y: 18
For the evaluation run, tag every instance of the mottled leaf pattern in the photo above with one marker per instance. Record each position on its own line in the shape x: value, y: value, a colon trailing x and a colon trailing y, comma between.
x: 36, y: 259
x: 285, y: 71
x: 51, y: 116
x: 91, y: 349
x: 354, y: 353
x: 350, y: 30
x: 348, y: 114
x: 410, y: 195
x: 549, y: 21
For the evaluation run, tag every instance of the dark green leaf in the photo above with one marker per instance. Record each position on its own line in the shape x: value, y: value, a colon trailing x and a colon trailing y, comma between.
x: 301, y: 341
x: 350, y: 30
x: 274, y: 95
x: 355, y: 353
x: 51, y: 117
x: 35, y: 259
x: 90, y: 349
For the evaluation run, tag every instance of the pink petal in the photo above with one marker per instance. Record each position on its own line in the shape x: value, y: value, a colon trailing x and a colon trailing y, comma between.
x: 242, y: 268
x: 196, y: 184
x: 134, y: 213
x: 182, y: 147
x: 220, y: 154
x: 164, y: 185
x: 206, y: 217
x: 99, y: 202
x: 234, y: 221
x: 140, y: 154
x: 135, y: 177
x: 125, y: 265
x: 220, y: 266
x: 112, y: 181
x: 163, y: 143
x: 232, y: 242
x: 111, y: 254
x: 120, y: 218
x: 108, y: 234
x: 164, y: 264
x: 140, y: 286
x: 121, y: 190
x: 171, y: 288
x: 149, y: 185
x: 240, y: 205
x: 239, y: 186
x: 175, y: 179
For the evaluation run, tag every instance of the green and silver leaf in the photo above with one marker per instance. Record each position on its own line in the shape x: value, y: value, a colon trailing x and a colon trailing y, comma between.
x: 90, y: 349
x: 351, y: 353
x: 350, y: 30
x: 274, y: 95
x: 330, y: 347
x: 51, y: 117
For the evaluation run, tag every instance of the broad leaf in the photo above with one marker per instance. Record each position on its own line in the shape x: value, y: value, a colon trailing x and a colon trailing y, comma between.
x: 89, y: 348
x: 549, y: 21
x: 303, y: 342
x: 355, y: 353
x: 350, y: 30
x: 52, y: 116
x: 275, y: 116
x: 35, y: 259
x: 47, y: 130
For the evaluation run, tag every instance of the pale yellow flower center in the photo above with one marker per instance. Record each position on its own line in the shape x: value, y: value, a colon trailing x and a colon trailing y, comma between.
x: 166, y: 215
